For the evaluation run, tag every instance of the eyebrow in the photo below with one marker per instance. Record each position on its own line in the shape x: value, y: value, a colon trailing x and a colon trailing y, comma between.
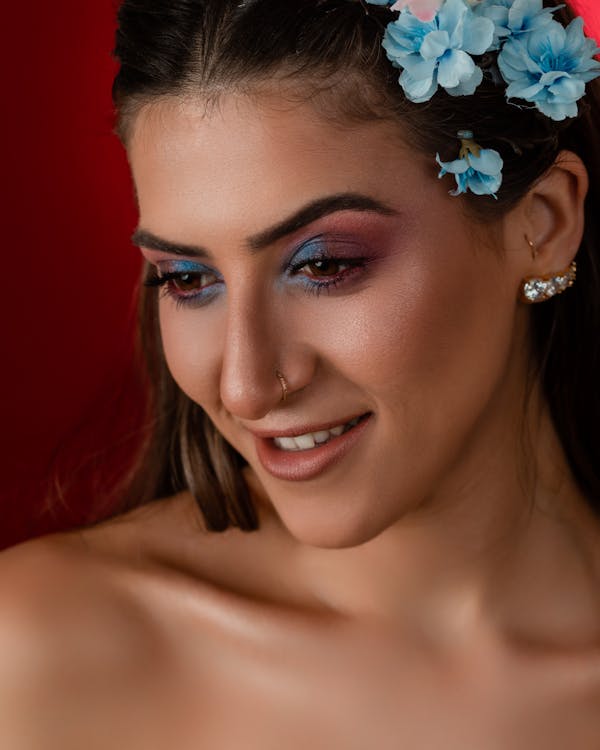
x: 306, y: 215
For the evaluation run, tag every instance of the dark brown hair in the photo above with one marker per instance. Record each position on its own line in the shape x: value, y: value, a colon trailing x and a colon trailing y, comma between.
x: 331, y: 50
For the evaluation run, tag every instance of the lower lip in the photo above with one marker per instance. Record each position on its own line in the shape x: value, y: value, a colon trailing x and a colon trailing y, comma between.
x: 298, y: 466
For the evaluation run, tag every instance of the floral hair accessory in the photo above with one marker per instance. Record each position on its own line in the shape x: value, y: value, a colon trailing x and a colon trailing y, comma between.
x: 550, y: 67
x: 512, y: 18
x: 441, y: 43
x: 439, y: 52
x: 476, y: 169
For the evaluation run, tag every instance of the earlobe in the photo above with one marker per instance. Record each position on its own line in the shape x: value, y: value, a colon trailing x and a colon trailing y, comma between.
x: 551, y: 220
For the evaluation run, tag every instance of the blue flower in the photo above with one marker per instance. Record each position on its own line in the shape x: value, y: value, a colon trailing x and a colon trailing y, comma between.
x: 478, y: 170
x: 511, y: 18
x: 438, y: 52
x: 550, y: 67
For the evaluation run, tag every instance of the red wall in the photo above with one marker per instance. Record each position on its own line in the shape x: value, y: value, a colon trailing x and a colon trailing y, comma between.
x: 68, y: 270
x: 68, y: 395
x: 590, y: 9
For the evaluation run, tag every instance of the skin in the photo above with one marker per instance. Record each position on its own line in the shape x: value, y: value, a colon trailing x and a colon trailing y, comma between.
x: 447, y: 568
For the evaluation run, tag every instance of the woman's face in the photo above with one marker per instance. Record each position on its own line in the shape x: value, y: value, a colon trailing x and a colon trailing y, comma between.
x: 335, y: 256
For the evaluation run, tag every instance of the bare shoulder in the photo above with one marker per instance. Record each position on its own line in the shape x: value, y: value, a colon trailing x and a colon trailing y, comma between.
x: 107, y: 633
x: 86, y: 586
x: 76, y: 643
x: 49, y: 585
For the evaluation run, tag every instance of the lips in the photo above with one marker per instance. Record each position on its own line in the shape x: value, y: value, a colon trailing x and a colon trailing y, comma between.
x: 301, y: 465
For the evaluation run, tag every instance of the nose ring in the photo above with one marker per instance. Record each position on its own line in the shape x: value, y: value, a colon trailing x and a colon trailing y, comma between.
x: 284, y: 385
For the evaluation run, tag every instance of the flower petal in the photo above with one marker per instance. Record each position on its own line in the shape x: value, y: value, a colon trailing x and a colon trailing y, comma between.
x: 418, y: 90
x: 419, y: 69
x: 478, y: 35
x: 546, y: 42
x: 459, y: 166
x: 435, y: 44
x: 424, y: 10
x: 451, y: 14
x: 480, y: 184
x: 523, y: 89
x: 454, y: 67
x: 566, y: 89
x: 557, y: 112
x: 489, y: 162
x: 469, y: 85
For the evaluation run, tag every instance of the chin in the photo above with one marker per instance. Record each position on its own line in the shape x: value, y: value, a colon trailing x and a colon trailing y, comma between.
x: 317, y: 524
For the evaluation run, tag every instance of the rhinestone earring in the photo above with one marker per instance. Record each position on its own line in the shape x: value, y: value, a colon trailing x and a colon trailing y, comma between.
x: 540, y: 288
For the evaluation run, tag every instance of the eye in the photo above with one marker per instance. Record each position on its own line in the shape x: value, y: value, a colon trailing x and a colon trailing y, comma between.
x: 194, y: 286
x: 327, y: 274
x: 191, y: 282
x: 325, y: 268
x: 324, y: 264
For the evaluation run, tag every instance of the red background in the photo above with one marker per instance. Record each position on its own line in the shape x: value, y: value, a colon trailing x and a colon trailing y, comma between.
x: 69, y: 393
x: 69, y: 271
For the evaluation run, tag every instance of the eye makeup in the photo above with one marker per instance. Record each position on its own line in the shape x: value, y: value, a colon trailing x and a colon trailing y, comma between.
x: 336, y: 259
x: 186, y: 282
x: 325, y: 263
x: 351, y: 236
x: 359, y: 243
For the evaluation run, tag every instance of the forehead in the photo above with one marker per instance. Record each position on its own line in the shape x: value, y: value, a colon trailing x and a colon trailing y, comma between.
x: 247, y: 161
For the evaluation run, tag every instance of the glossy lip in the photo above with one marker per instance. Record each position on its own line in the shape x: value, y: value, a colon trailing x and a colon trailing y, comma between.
x: 299, y: 466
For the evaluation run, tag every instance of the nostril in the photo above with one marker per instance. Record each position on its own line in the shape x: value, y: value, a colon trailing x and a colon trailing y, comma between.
x: 250, y: 398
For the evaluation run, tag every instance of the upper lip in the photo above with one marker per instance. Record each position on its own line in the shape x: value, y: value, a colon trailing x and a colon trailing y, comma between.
x: 303, y: 429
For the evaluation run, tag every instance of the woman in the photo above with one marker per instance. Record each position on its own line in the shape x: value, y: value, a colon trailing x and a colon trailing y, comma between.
x: 368, y: 372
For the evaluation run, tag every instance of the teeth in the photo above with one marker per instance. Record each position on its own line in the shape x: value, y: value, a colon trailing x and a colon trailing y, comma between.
x: 308, y: 441
x: 286, y: 443
x: 305, y: 442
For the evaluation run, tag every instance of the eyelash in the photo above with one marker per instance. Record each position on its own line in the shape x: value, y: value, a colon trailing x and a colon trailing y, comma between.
x: 317, y: 287
x: 166, y: 281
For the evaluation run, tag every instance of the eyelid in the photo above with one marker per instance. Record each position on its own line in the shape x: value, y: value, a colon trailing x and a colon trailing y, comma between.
x: 325, y: 246
x: 184, y: 266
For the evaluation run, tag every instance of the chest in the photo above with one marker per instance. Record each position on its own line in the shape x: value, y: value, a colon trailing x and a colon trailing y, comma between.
x: 352, y: 691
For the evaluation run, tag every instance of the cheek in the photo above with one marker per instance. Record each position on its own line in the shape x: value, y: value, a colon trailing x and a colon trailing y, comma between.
x: 192, y: 343
x: 429, y: 341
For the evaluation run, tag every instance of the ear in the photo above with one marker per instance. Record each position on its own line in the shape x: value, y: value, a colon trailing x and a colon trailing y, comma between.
x: 551, y: 217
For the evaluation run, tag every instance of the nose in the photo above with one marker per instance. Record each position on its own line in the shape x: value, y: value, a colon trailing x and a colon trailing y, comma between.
x: 257, y: 346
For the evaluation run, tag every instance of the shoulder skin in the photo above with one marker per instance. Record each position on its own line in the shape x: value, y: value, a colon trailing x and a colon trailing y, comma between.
x: 78, y: 652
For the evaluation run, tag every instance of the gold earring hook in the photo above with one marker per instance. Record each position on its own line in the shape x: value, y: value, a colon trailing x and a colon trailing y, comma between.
x: 532, y: 247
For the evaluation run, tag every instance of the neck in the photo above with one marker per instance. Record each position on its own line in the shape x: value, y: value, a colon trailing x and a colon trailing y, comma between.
x: 497, y: 545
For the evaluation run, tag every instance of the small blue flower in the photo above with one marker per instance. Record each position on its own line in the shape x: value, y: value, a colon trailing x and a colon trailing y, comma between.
x: 511, y: 18
x: 478, y: 170
x: 438, y: 52
x: 550, y: 67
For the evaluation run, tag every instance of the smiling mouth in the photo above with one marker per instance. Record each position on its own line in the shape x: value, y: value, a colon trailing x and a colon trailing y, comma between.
x: 311, y: 440
x: 303, y: 457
